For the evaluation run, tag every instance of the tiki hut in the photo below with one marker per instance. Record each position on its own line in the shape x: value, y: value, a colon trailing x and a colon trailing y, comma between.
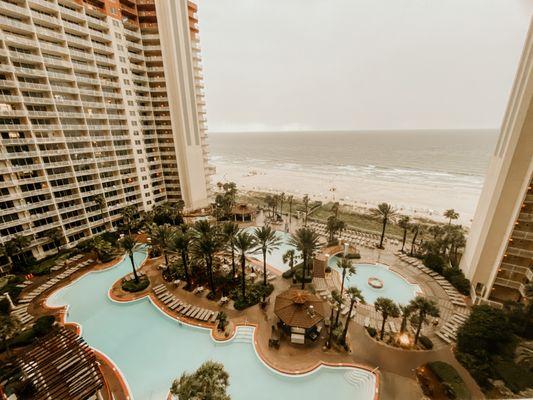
x: 300, y: 312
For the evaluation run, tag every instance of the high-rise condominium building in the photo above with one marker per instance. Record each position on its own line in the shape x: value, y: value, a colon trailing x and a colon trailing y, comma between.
x: 498, y: 258
x: 101, y: 107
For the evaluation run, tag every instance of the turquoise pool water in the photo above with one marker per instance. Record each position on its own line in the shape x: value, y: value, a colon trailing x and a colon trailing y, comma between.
x: 275, y: 258
x: 395, y: 287
x: 151, y: 349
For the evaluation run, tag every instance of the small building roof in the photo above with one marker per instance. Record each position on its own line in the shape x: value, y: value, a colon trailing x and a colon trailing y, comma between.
x: 299, y: 308
x: 61, y: 366
x: 243, y: 209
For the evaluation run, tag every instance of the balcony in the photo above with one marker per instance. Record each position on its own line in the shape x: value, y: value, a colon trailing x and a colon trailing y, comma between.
x: 13, y: 10
x: 519, y: 252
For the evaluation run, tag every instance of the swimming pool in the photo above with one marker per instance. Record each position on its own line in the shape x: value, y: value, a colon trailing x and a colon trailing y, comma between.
x: 151, y: 349
x: 275, y: 258
x: 395, y: 287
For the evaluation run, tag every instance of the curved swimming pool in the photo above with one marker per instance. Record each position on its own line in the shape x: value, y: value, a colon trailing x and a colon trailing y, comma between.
x: 151, y: 349
x: 395, y: 287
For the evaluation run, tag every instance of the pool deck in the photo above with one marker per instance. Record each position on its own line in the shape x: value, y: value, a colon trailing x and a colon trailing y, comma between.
x: 396, y: 366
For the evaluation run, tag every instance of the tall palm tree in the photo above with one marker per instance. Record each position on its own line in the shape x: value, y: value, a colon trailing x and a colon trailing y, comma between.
x: 306, y: 208
x: 266, y: 240
x: 406, y: 312
x: 387, y: 308
x: 245, y: 244
x: 335, y: 303
x: 386, y: 212
x: 289, y: 257
x: 333, y: 226
x: 404, y: 224
x: 305, y: 240
x: 335, y: 209
x: 101, y: 203
x: 347, y: 269
x: 290, y: 199
x: 161, y: 237
x: 19, y: 244
x: 229, y: 231
x: 281, y: 200
x: 424, y: 308
x: 128, y: 217
x: 181, y: 243
x: 56, y: 235
x: 415, y: 229
x: 129, y: 244
x: 355, y: 295
x: 451, y: 214
x: 207, y: 243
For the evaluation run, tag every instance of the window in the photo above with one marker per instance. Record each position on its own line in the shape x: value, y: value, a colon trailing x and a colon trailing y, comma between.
x: 120, y: 47
x: 122, y: 59
x: 115, y: 22
x: 130, y: 102
x: 124, y: 70
x: 117, y: 35
x: 145, y: 186
x: 139, y: 151
x: 137, y: 142
x: 127, y: 81
x: 132, y: 113
x: 128, y: 92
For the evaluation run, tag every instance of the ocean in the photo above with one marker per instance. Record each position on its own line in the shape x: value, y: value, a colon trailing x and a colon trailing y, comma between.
x: 418, y: 171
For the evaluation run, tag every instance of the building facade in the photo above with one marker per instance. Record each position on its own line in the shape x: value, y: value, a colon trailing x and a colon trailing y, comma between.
x: 498, y: 257
x: 101, y: 107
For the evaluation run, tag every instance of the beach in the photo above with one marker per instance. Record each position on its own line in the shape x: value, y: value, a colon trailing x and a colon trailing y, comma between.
x: 420, y: 174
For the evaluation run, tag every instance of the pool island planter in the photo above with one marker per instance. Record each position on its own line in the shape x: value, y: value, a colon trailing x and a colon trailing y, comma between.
x: 312, y: 368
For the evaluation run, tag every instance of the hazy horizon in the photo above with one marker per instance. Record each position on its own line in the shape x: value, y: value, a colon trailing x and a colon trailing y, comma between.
x: 494, y: 131
x: 360, y: 64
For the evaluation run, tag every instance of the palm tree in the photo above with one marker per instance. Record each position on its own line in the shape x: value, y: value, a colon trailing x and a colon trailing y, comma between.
x: 335, y: 209
x: 9, y: 328
x: 244, y: 243
x: 281, y: 199
x: 8, y: 251
x: 207, y: 243
x: 266, y: 240
x: 180, y: 243
x: 355, y: 295
x: 334, y: 303
x: 347, y: 269
x: 229, y: 231
x: 333, y: 226
x: 288, y: 257
x: 387, y: 308
x: 424, y: 308
x: 406, y: 312
x: 161, y: 237
x: 290, y: 200
x: 208, y: 382
x: 451, y: 214
x: 415, y: 229
x: 19, y: 245
x: 56, y: 235
x: 404, y: 224
x: 128, y: 217
x: 129, y: 244
x: 306, y: 242
x: 101, y: 203
x: 306, y: 208
x: 386, y: 212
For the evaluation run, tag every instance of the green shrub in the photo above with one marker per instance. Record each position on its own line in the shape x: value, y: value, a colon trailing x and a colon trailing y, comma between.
x: 298, y: 275
x: 434, y: 262
x: 425, y: 342
x: 132, y: 286
x: 371, y: 331
x: 458, y: 280
x: 43, y: 325
x: 110, y: 237
x: 515, y: 377
x: 353, y: 256
x: 450, y: 379
x: 288, y: 274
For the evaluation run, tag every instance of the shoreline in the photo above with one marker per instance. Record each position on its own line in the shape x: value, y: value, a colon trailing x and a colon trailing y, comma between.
x: 413, y: 200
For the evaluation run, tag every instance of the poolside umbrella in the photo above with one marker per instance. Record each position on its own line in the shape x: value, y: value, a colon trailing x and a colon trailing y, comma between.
x: 299, y: 308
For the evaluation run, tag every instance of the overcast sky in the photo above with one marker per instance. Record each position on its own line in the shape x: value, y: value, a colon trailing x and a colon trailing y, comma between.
x: 359, y: 64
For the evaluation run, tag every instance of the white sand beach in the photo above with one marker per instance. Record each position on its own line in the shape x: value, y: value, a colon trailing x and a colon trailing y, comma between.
x: 411, y: 199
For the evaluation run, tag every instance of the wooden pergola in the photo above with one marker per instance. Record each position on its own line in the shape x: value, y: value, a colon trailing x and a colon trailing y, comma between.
x: 61, y: 366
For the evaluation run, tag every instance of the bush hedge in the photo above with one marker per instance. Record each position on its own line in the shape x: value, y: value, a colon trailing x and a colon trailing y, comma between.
x: 41, y: 327
x: 371, y: 331
x: 425, y: 342
x: 515, y: 377
x: 288, y: 274
x: 449, y: 377
x: 132, y: 286
x: 254, y: 295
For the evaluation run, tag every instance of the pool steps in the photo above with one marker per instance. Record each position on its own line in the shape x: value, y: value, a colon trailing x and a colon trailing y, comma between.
x: 244, y: 334
x: 362, y: 381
